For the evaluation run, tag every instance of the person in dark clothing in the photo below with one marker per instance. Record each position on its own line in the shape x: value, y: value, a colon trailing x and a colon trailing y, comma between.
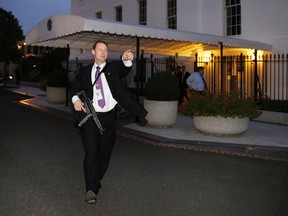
x: 184, y: 86
x: 105, y: 96
x: 182, y: 75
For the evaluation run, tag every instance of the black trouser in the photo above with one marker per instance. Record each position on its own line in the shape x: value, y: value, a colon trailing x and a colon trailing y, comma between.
x: 98, y: 149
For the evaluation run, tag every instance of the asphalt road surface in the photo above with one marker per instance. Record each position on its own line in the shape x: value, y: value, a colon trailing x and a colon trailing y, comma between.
x: 41, y: 173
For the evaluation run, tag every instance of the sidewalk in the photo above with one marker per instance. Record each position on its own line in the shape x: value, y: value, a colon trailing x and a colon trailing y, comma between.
x: 264, y: 140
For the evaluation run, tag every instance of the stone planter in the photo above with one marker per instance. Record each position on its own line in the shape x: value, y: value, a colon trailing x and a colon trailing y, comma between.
x: 161, y: 114
x: 56, y: 95
x: 220, y: 125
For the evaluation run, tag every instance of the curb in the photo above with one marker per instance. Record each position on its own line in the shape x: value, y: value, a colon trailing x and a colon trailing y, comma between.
x: 243, y: 150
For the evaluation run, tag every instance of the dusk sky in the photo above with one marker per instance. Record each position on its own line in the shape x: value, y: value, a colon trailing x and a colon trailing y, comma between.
x: 31, y: 12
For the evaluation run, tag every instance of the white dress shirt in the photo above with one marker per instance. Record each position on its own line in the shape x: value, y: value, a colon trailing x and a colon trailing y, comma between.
x: 110, y: 102
x: 195, y: 81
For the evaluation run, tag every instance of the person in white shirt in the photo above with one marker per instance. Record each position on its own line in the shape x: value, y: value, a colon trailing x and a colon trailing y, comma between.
x: 197, y: 80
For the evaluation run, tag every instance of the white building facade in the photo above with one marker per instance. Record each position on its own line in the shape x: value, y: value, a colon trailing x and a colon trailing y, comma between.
x: 253, y: 72
x: 256, y: 20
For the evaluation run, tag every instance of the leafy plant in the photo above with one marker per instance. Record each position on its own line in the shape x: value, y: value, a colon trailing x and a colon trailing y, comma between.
x: 224, y: 105
x: 162, y: 86
x: 57, y: 78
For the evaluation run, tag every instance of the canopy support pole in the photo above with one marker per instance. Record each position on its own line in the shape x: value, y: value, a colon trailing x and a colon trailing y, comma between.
x: 222, y: 68
x: 137, y: 67
x: 67, y: 69
x: 137, y: 72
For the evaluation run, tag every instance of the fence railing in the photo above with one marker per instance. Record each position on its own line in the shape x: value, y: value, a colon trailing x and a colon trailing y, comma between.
x: 264, y: 78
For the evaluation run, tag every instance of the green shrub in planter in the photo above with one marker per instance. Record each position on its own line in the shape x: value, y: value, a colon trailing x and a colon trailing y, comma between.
x: 162, y: 86
x: 57, y: 78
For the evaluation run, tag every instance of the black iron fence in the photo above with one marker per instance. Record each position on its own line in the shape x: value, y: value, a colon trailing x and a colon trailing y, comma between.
x: 265, y: 78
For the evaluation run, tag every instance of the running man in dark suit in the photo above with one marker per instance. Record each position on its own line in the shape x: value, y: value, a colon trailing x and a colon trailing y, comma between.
x: 98, y: 148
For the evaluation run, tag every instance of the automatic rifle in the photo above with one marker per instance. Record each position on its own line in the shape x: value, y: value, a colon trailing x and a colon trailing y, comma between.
x: 90, y: 111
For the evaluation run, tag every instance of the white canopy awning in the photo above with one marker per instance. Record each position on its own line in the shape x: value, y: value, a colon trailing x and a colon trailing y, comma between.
x: 82, y: 32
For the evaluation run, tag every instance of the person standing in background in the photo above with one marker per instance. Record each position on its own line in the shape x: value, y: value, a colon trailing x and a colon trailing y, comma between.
x: 179, y: 75
x: 184, y: 86
x: 182, y: 75
x: 197, y: 80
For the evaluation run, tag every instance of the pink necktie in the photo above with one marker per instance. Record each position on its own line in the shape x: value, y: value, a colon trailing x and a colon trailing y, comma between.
x: 99, y: 87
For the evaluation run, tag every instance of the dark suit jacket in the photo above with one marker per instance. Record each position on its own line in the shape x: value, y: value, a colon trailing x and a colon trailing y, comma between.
x: 114, y: 72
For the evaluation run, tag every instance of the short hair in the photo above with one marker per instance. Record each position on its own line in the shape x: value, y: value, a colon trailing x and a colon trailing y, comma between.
x: 200, y: 69
x: 99, y: 41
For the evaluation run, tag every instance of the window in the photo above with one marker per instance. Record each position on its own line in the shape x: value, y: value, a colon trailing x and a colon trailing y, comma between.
x: 233, y: 17
x: 118, y: 10
x: 98, y: 15
x: 142, y: 12
x: 172, y: 14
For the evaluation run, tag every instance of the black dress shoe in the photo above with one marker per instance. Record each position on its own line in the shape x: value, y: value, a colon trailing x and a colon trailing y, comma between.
x: 90, y: 197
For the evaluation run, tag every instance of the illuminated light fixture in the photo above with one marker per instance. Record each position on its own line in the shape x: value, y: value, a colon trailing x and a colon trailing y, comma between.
x: 205, y: 59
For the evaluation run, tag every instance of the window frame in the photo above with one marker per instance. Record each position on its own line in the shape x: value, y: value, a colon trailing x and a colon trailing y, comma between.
x: 118, y: 13
x: 98, y: 14
x: 172, y: 14
x: 233, y: 17
x: 142, y: 12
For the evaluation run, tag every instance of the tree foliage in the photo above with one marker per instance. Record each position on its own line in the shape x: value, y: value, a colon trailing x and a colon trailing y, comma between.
x: 10, y: 34
x: 53, y: 60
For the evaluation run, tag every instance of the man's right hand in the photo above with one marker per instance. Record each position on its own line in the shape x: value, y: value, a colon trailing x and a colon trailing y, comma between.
x: 79, y: 106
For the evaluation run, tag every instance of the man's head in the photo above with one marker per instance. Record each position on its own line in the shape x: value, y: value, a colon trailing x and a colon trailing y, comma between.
x: 100, y: 51
x: 200, y: 70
